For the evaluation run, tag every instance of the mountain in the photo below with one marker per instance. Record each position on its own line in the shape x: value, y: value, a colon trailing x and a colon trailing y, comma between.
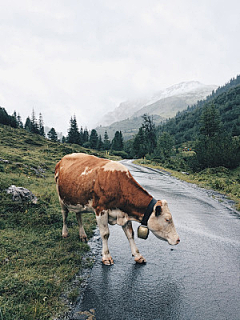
x: 177, y: 98
x: 164, y: 104
x: 129, y: 127
x: 124, y: 111
x: 186, y: 125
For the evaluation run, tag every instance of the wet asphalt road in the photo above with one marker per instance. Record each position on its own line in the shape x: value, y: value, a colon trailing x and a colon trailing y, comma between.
x: 197, y: 279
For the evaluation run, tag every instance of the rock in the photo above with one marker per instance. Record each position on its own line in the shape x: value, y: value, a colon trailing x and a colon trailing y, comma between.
x: 39, y: 171
x: 4, y: 161
x: 20, y: 194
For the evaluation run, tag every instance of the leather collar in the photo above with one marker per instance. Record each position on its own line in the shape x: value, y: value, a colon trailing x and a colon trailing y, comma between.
x: 148, y: 212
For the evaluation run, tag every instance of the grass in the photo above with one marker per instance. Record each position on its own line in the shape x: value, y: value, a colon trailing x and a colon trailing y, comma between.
x: 36, y: 264
x: 220, y: 179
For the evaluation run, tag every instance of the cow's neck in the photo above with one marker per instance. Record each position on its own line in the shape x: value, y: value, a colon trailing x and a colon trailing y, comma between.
x: 136, y: 202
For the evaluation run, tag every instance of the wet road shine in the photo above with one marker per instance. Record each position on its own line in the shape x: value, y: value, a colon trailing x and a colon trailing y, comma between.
x: 197, y: 279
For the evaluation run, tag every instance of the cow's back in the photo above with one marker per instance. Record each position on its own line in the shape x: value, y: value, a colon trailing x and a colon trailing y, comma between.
x: 75, y: 175
x: 81, y: 178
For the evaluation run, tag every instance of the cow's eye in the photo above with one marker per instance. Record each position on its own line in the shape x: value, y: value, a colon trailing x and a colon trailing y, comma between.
x: 167, y: 220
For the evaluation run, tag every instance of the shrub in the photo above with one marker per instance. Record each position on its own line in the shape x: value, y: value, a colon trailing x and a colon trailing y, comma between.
x: 121, y: 154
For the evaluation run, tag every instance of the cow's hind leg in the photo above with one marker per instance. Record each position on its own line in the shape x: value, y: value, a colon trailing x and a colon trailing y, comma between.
x: 127, y: 228
x: 64, y: 210
x: 102, y: 221
x: 82, y: 233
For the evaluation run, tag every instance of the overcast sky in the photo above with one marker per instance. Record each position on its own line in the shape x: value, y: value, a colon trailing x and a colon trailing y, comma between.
x: 84, y: 57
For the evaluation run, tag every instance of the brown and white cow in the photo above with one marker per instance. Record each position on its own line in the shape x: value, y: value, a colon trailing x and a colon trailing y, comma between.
x: 87, y: 183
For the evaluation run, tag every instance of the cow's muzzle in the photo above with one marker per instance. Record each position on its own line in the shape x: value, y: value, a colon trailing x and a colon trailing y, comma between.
x: 173, y: 243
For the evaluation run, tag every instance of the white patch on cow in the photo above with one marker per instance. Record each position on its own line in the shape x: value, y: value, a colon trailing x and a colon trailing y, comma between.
x: 115, y: 166
x: 77, y: 155
x: 86, y: 172
x: 80, y: 208
x: 117, y: 216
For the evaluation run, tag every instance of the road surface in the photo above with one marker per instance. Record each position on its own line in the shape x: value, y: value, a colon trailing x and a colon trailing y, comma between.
x: 197, y: 279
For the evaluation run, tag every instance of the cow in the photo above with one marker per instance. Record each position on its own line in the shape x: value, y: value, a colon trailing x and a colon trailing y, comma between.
x: 86, y: 183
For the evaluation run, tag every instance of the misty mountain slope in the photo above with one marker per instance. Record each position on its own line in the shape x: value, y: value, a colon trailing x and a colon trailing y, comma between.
x: 127, y: 117
x: 124, y: 111
x: 186, y: 125
x: 129, y: 127
x: 169, y: 106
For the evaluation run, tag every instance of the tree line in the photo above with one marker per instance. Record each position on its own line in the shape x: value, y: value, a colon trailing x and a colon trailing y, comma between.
x: 92, y: 139
x: 32, y: 124
x: 85, y: 138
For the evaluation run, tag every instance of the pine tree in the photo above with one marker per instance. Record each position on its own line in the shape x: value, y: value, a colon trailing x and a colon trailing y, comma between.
x: 40, y: 126
x: 52, y: 135
x: 19, y: 121
x: 117, y: 142
x: 73, y: 132
x: 235, y: 130
x: 81, y: 137
x: 85, y: 135
x: 149, y: 132
x: 139, y: 144
x: 164, y: 146
x: 34, y: 124
x: 4, y: 117
x: 100, y: 145
x: 28, y: 125
x: 13, y: 120
x: 93, y: 139
x: 14, y: 115
x: 106, y: 141
x: 120, y: 141
x: 210, y: 121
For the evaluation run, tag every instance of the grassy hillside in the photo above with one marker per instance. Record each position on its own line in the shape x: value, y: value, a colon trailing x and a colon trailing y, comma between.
x: 36, y: 264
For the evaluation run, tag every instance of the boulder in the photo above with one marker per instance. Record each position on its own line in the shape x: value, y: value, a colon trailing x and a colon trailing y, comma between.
x: 20, y: 194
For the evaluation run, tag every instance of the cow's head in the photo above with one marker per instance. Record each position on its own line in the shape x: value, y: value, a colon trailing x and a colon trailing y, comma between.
x: 161, y: 223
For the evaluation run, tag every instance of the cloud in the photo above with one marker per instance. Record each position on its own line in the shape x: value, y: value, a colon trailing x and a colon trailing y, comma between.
x: 85, y: 57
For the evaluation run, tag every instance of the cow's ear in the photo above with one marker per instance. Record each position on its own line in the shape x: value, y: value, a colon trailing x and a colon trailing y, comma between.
x: 158, y: 211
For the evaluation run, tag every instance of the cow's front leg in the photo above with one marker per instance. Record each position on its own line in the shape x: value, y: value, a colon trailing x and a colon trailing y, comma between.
x: 82, y: 233
x: 128, y: 229
x: 102, y: 221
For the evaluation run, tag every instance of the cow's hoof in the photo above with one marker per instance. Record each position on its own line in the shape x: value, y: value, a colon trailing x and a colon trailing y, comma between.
x: 108, y: 261
x: 84, y: 239
x: 140, y: 260
x: 65, y: 235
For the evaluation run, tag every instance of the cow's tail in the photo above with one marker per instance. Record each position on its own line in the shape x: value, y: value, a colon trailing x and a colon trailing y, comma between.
x: 57, y: 168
